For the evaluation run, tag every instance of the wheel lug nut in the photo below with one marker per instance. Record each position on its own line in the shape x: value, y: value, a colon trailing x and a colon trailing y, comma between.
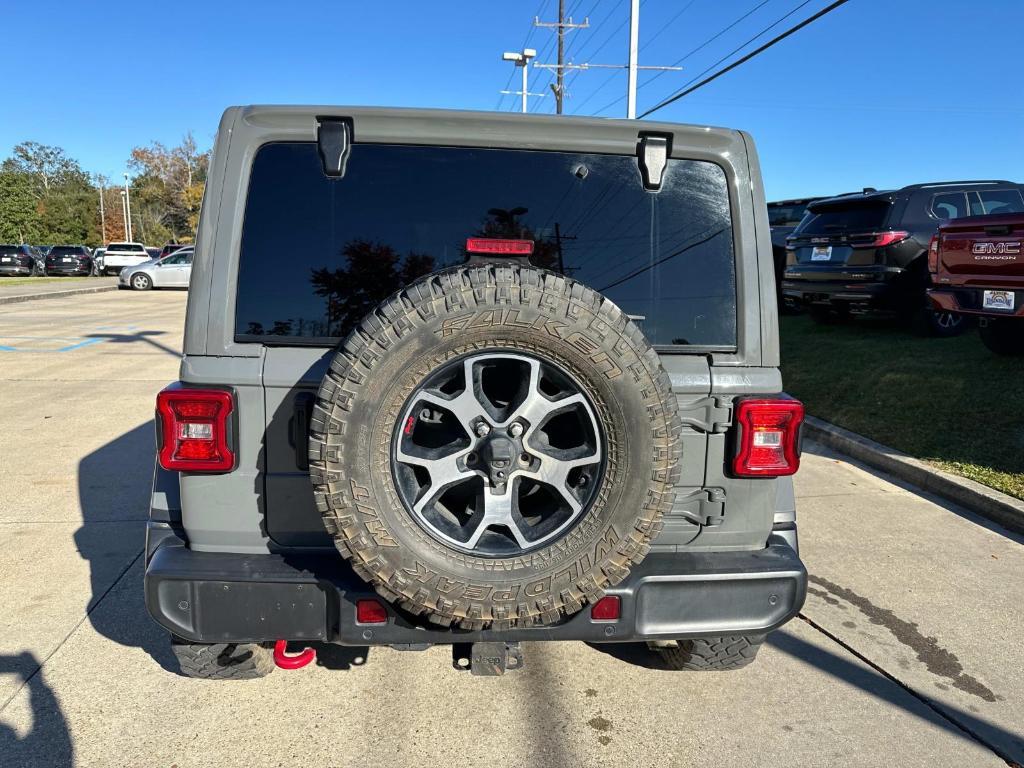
x: 471, y: 458
x: 516, y: 429
x: 524, y: 458
x: 483, y: 429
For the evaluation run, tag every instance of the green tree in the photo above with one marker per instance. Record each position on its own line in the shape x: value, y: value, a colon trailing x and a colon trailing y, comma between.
x: 19, y: 213
x: 48, y: 167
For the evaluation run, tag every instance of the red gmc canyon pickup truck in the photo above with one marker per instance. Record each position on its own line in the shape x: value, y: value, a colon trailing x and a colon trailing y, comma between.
x: 977, y: 266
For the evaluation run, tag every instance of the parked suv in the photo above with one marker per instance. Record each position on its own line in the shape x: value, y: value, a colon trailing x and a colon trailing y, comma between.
x: 117, y: 256
x: 18, y: 260
x: 69, y: 260
x: 412, y: 412
x: 869, y: 251
x: 783, y: 218
x: 977, y: 266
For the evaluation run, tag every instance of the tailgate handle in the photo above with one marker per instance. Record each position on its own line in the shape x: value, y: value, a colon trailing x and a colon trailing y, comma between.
x: 998, y: 229
x: 298, y: 434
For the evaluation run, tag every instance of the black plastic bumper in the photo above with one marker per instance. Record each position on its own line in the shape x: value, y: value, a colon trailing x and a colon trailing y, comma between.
x: 213, y: 597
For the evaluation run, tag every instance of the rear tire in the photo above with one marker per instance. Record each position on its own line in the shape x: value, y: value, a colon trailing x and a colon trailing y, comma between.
x: 223, y: 661
x: 1003, y: 335
x: 469, y: 580
x: 941, y: 325
x: 711, y: 654
x: 141, y: 282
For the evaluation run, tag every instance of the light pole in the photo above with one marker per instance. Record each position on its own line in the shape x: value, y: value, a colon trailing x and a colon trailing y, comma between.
x: 103, y: 219
x: 128, y: 207
x: 522, y: 60
x: 124, y: 213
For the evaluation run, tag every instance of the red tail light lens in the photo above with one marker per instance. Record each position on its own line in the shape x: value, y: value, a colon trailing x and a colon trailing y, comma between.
x: 882, y: 239
x: 370, y: 611
x: 499, y: 246
x: 608, y: 608
x: 194, y: 429
x: 933, y: 254
x: 768, y: 438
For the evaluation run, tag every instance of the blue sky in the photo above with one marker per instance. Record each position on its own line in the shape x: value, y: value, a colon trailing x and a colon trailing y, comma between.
x: 879, y: 93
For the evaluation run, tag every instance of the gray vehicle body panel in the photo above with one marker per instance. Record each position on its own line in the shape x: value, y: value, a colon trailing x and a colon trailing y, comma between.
x: 228, y: 513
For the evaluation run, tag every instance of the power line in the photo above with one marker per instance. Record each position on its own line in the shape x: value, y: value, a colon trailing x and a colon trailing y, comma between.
x: 700, y: 47
x: 748, y: 57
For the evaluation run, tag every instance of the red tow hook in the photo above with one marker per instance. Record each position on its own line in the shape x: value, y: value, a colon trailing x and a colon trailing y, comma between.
x: 298, y: 661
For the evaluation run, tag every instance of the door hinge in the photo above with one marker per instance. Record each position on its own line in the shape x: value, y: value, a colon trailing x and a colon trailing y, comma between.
x: 709, y: 414
x: 705, y: 506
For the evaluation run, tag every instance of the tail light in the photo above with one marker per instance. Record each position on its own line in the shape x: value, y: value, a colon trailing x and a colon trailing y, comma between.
x: 370, y: 611
x: 933, y: 254
x: 882, y: 239
x: 194, y: 429
x: 500, y: 246
x: 768, y: 438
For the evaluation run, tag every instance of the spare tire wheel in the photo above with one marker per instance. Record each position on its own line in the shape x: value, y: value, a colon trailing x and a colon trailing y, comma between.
x: 493, y: 446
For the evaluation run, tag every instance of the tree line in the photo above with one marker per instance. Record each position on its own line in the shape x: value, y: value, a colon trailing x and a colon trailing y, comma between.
x: 46, y: 198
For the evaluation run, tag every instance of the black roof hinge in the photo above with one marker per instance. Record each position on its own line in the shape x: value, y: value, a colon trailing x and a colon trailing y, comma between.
x: 334, y: 142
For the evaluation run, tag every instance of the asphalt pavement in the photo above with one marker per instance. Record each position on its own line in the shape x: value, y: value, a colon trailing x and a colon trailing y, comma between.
x: 906, y: 653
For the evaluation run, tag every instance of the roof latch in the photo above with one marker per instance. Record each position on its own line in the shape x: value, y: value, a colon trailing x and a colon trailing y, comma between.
x: 334, y: 142
x: 652, y: 154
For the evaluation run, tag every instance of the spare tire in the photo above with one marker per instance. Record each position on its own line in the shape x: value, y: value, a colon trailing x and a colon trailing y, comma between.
x: 493, y: 446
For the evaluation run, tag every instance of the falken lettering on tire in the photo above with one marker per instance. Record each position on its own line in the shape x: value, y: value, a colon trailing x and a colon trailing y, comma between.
x: 396, y: 365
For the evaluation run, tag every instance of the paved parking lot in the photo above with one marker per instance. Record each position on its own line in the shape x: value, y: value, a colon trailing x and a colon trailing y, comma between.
x: 907, y: 652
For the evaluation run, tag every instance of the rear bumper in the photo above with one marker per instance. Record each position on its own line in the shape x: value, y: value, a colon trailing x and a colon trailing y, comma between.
x: 215, y: 597
x: 872, y: 286
x: 68, y: 269
x: 968, y: 301
x: 14, y: 269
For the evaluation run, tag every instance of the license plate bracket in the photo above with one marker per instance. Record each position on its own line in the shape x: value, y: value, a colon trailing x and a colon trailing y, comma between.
x: 821, y: 253
x: 998, y: 300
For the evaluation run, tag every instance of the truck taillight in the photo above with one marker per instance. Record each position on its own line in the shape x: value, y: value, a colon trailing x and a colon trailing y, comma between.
x: 933, y: 254
x: 194, y: 429
x: 768, y: 437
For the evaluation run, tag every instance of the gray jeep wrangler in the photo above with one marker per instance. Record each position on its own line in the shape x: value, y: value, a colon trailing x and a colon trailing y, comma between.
x: 475, y: 379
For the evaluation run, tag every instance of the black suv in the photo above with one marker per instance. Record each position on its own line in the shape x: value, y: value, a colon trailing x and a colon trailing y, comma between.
x: 69, y: 260
x: 18, y: 259
x: 868, y: 251
x: 783, y: 218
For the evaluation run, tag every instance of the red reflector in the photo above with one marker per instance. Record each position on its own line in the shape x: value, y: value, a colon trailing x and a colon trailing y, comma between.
x: 606, y: 609
x: 370, y: 611
x: 768, y: 439
x: 499, y: 246
x: 194, y: 429
x: 933, y: 254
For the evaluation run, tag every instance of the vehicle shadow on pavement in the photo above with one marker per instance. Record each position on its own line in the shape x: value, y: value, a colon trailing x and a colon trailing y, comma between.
x: 113, y: 490
x: 49, y: 741
x: 143, y: 337
x: 955, y: 720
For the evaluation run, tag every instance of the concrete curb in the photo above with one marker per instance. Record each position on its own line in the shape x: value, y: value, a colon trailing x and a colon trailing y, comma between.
x: 980, y: 499
x: 55, y: 294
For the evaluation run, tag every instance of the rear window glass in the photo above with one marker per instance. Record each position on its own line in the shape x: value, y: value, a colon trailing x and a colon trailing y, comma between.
x: 785, y: 215
x: 859, y: 217
x: 9, y: 250
x: 65, y: 250
x: 126, y: 247
x: 317, y: 254
x: 996, y: 201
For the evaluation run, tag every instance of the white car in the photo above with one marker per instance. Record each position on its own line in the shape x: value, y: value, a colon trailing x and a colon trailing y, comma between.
x: 172, y: 271
x: 121, y: 255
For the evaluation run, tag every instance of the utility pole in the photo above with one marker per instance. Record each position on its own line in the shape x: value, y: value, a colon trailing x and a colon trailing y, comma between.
x: 634, y: 40
x: 103, y: 219
x: 124, y: 213
x: 632, y: 67
x: 560, y: 27
x: 128, y: 206
x: 522, y: 59
x: 559, y: 237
